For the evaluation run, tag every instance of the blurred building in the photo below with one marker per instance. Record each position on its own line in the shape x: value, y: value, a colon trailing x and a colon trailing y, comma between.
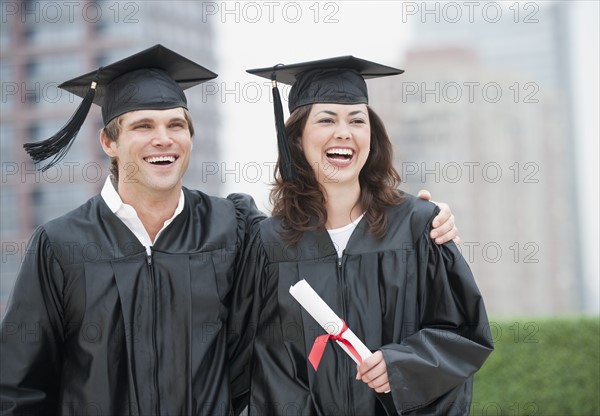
x: 481, y: 119
x: 45, y: 43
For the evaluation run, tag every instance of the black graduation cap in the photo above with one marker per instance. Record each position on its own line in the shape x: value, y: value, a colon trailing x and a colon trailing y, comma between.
x: 339, y: 80
x: 153, y: 79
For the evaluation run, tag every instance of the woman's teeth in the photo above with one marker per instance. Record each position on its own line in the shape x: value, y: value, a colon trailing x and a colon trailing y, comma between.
x: 340, y: 153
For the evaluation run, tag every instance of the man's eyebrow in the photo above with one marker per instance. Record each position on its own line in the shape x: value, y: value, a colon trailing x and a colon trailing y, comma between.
x: 141, y: 120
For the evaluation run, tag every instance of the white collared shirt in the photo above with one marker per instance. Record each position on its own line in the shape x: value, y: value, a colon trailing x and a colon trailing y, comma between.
x: 128, y: 215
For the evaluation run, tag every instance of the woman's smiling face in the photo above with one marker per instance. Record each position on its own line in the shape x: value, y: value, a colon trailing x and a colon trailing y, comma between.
x: 336, y: 141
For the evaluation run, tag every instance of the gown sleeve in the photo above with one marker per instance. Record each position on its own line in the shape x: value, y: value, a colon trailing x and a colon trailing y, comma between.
x: 31, y: 334
x: 244, y: 316
x: 242, y: 319
x: 453, y: 338
x: 248, y: 216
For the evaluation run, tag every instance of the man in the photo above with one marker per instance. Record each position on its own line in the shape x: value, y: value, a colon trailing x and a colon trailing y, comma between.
x: 120, y: 306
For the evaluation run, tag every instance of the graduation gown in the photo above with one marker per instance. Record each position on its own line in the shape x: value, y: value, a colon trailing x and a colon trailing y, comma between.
x: 96, y: 326
x: 415, y: 301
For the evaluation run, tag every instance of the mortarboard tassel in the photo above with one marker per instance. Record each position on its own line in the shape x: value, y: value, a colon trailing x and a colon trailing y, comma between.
x: 286, y: 166
x: 59, y: 144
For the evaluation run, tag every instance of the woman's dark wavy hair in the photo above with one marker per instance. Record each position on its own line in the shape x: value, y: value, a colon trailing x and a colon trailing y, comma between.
x: 300, y: 204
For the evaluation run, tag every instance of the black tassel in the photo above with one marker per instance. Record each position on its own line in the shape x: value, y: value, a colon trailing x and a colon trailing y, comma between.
x: 58, y: 145
x: 286, y: 166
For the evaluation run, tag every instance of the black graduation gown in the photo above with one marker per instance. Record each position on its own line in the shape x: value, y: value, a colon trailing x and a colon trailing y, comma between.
x: 415, y: 301
x: 96, y: 326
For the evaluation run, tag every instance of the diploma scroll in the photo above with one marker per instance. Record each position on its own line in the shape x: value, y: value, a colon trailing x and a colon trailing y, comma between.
x: 329, y: 321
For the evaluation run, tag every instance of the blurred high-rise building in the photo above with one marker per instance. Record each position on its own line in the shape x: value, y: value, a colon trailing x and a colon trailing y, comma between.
x: 45, y: 43
x: 481, y: 118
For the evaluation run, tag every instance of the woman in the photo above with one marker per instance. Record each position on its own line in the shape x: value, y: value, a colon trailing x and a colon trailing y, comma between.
x: 340, y: 222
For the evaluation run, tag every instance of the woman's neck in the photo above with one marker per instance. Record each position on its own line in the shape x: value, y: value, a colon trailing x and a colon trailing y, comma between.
x: 342, y: 205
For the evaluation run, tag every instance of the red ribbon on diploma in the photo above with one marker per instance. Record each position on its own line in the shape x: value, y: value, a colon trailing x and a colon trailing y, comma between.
x: 318, y: 348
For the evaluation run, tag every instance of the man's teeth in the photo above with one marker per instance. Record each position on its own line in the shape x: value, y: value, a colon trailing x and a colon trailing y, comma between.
x: 157, y: 159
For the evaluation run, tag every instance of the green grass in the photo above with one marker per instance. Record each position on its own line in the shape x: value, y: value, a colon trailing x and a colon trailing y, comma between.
x: 541, y: 367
